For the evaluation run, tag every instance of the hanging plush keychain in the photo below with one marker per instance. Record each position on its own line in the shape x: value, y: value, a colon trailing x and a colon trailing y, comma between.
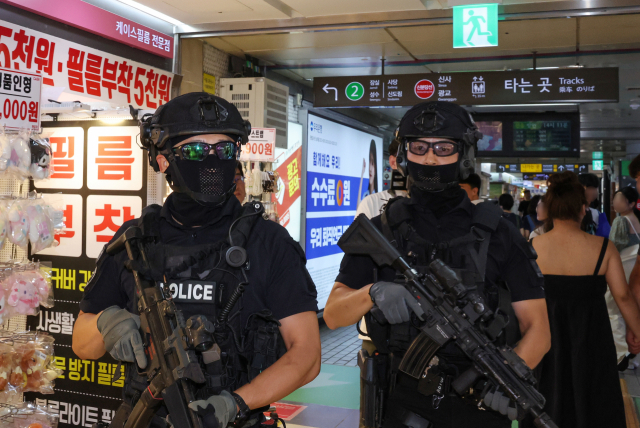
x: 20, y: 159
x: 18, y: 225
x: 5, y: 150
x: 41, y: 231
x: 40, y: 167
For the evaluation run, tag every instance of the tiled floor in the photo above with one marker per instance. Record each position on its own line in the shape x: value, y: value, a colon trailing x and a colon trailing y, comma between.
x: 340, y: 347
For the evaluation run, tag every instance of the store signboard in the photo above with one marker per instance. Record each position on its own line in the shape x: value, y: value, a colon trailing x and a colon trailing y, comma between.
x: 19, y: 99
x: 81, y: 71
x: 87, y: 392
x: 574, y: 85
x: 115, y: 158
x: 475, y: 26
x: 344, y: 165
x: 93, y: 19
x: 261, y: 146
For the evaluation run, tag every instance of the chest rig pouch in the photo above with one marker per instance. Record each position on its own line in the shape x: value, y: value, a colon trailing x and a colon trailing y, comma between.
x: 209, y: 280
x: 467, y: 255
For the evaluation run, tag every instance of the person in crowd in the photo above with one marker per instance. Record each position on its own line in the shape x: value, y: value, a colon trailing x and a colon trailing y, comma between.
x: 579, y: 376
x: 241, y: 191
x: 542, y: 217
x: 524, y: 204
x: 506, y: 203
x: 270, y: 344
x: 530, y: 221
x: 374, y: 204
x: 625, y: 230
x: 373, y: 169
x: 594, y: 222
x: 437, y: 145
x: 472, y: 185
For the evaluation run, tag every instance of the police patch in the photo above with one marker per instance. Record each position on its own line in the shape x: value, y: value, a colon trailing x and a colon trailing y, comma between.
x: 187, y: 290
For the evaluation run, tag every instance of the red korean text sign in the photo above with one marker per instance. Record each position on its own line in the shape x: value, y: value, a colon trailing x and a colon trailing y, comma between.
x: 19, y: 99
x: 81, y: 70
x: 261, y: 146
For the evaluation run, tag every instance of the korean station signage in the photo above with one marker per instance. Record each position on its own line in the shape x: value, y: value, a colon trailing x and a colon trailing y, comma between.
x: 84, y: 71
x: 475, y: 26
x: 93, y: 19
x: 578, y: 168
x: 577, y: 85
x: 20, y: 99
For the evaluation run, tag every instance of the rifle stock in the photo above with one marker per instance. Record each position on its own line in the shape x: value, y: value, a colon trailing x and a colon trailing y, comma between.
x: 451, y: 313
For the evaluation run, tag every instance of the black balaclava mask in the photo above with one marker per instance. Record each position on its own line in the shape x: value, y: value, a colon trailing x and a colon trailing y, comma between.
x: 211, y: 176
x: 439, y: 202
x: 433, y: 174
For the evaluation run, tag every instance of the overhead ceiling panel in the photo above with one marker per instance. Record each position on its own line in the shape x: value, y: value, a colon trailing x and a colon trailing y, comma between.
x: 368, y: 51
x: 295, y: 40
x: 200, y: 12
x: 311, y: 8
x: 609, y: 30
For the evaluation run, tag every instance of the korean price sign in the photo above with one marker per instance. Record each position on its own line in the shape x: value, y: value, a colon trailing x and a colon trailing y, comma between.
x: 19, y: 99
x: 105, y: 215
x: 81, y: 70
x: 116, y: 160
x: 67, y: 145
x: 261, y: 146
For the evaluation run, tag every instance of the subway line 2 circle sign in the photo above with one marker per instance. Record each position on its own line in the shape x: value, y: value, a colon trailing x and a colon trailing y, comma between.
x: 354, y: 91
x: 424, y: 89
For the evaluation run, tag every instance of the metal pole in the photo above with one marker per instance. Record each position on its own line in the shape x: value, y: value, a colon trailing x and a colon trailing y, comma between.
x: 383, y: 66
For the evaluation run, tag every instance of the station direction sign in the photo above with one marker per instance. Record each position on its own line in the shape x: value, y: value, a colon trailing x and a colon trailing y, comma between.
x: 575, y: 85
x: 537, y: 168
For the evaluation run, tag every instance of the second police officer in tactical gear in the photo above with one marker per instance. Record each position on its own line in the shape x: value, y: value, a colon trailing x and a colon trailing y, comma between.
x: 271, y: 344
x: 437, y: 150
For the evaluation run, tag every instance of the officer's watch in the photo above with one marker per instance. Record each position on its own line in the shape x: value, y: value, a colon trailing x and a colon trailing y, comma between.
x: 243, y: 411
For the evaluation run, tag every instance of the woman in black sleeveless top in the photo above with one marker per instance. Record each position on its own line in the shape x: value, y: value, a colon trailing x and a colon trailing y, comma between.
x: 579, y: 375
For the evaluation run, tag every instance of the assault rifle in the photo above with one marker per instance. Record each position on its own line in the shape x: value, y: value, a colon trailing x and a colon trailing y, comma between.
x: 452, y: 312
x: 170, y: 347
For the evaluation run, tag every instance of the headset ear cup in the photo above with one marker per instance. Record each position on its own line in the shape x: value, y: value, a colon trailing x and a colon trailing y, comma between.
x: 247, y: 128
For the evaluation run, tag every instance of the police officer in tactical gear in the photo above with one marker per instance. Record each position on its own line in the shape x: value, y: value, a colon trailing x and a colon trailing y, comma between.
x: 207, y: 249
x: 437, y: 150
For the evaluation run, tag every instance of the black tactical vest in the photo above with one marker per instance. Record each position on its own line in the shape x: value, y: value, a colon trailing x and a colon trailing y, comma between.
x: 467, y: 255
x: 206, y: 280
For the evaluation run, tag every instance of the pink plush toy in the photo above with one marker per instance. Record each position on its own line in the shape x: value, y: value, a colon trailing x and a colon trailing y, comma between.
x: 40, y: 228
x: 24, y: 296
x: 44, y: 291
x: 18, y: 225
x: 3, y: 308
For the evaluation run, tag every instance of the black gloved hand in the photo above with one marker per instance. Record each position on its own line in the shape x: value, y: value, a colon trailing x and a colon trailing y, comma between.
x: 499, y: 402
x: 216, y: 411
x: 395, y: 301
x: 119, y: 329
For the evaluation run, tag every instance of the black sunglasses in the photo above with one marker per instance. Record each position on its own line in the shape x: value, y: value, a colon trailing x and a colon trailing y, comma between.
x: 198, y: 151
x: 440, y: 148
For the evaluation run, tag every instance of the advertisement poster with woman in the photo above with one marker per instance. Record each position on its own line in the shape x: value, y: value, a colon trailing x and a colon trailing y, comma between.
x: 344, y: 166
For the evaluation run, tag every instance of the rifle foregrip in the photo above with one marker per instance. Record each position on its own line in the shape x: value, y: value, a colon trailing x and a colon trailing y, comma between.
x: 465, y: 381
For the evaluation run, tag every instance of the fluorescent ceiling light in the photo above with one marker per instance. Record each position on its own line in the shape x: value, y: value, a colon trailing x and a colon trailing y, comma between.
x: 152, y: 12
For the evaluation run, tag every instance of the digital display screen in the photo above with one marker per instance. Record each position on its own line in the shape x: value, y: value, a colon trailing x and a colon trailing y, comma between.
x: 542, y: 136
x: 492, y: 136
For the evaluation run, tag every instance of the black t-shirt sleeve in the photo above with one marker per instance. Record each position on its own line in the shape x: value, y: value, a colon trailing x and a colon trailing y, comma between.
x: 106, y: 288
x: 359, y: 271
x: 519, y: 269
x: 290, y: 288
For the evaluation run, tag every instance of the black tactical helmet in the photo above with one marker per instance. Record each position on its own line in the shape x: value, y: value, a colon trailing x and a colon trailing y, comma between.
x: 440, y: 119
x: 191, y: 114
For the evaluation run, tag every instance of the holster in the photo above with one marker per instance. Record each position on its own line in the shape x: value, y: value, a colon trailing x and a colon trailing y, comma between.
x: 373, y: 386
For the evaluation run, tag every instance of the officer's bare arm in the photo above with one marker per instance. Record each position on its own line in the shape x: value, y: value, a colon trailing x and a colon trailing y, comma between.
x: 534, y: 326
x: 297, y: 367
x: 87, y: 341
x: 346, y: 306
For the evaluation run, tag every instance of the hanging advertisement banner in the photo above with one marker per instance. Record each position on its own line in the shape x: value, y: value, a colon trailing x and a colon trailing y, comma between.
x: 20, y: 99
x: 94, y: 209
x: 261, y: 146
x: 344, y: 165
x: 79, y: 70
x: 288, y: 166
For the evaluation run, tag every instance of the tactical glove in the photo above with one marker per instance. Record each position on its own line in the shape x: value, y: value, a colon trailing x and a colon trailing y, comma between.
x: 120, y: 331
x: 499, y: 402
x: 395, y: 301
x: 216, y: 411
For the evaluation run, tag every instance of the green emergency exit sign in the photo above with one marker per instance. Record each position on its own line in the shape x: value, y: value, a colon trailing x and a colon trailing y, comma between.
x: 597, y: 165
x: 597, y: 155
x: 475, y: 26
